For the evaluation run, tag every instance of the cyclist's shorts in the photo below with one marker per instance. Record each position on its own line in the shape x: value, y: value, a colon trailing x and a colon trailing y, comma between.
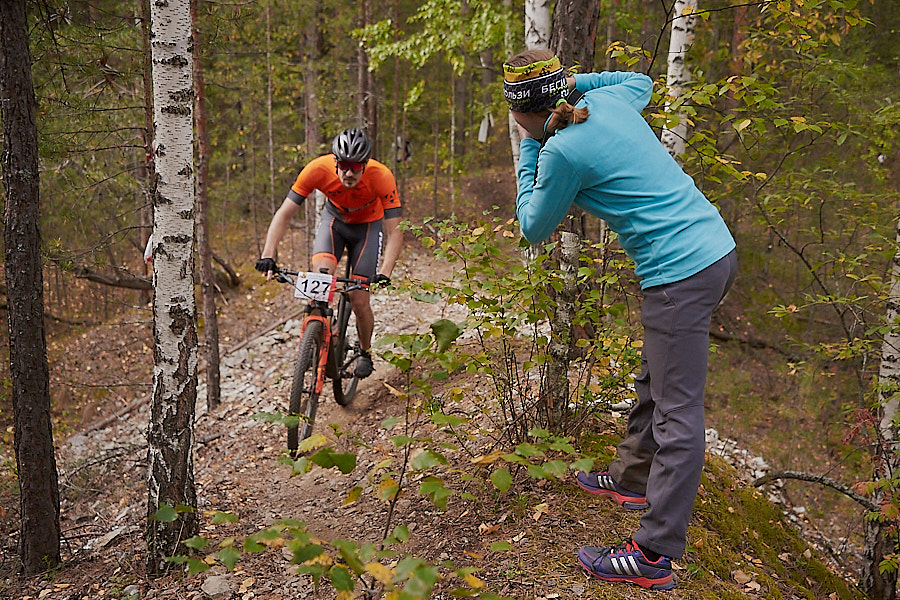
x: 364, y: 241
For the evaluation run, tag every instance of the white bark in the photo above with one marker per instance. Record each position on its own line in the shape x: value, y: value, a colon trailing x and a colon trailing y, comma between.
x: 537, y: 24
x: 678, y: 76
x: 889, y: 371
x: 170, y: 435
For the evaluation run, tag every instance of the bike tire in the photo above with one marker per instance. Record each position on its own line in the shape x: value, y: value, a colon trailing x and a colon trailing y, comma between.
x: 304, y: 399
x: 343, y: 356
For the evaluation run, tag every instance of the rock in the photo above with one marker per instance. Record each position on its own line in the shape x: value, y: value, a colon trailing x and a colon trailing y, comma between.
x: 217, y: 587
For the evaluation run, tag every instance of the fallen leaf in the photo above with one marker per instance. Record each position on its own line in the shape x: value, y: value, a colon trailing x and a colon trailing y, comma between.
x: 741, y: 578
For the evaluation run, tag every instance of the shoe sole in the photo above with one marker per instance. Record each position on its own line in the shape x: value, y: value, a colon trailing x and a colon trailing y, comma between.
x: 629, y: 502
x: 662, y: 584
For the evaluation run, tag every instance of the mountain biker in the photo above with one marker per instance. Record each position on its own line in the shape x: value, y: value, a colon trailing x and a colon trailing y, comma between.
x: 361, y: 213
x: 590, y: 147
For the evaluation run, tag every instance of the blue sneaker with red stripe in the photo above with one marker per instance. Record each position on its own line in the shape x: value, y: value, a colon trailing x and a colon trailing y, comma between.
x: 603, y: 484
x: 627, y: 563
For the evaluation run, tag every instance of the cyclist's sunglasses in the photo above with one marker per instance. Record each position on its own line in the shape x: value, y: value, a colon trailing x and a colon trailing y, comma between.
x: 346, y: 165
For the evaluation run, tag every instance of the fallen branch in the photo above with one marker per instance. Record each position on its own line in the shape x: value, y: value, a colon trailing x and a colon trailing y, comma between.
x: 821, y: 479
x: 115, y: 279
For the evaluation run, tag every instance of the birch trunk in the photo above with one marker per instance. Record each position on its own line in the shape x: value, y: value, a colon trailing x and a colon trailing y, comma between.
x: 878, y: 537
x: 170, y: 437
x: 677, y: 76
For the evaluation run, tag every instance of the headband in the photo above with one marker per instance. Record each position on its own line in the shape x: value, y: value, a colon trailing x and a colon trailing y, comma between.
x: 534, y: 87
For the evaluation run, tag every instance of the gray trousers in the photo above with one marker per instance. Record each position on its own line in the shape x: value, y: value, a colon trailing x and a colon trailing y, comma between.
x: 663, y: 451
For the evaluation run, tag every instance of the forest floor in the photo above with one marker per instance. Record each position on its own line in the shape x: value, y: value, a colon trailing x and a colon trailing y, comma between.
x: 239, y: 469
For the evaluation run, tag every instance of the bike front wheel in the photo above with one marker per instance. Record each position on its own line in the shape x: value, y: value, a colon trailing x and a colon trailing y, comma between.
x: 304, y: 397
x: 344, y: 354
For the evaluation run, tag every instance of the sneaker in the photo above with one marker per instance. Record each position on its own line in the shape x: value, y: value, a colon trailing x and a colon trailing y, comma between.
x: 364, y: 365
x: 627, y: 563
x: 603, y: 484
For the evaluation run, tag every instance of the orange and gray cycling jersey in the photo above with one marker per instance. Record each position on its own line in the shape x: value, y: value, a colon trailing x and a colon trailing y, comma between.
x: 374, y: 198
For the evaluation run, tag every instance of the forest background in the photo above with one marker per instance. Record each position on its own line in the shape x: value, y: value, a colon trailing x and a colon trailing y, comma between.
x: 793, y: 121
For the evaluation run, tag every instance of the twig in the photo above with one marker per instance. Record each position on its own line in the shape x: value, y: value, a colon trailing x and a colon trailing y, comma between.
x: 821, y: 479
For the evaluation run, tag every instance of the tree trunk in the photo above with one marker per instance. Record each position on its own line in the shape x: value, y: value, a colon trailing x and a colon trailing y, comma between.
x: 683, y: 18
x: 39, y: 533
x: 879, y: 537
x: 537, y: 24
x: 204, y: 252
x: 573, y: 35
x: 270, y: 126
x: 147, y: 172
x: 170, y: 436
x: 572, y: 39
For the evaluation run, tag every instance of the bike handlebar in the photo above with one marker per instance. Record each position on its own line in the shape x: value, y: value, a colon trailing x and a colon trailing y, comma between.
x: 282, y: 276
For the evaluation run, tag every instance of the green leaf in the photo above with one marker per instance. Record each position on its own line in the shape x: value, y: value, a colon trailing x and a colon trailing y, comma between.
x: 500, y: 546
x: 303, y: 552
x: 433, y: 488
x: 195, y: 565
x: 501, y: 479
x: 164, y: 514
x: 427, y: 459
x: 229, y: 556
x: 399, y: 535
x: 341, y: 578
x: 196, y: 542
x: 445, y: 333
x: 390, y: 422
x: 220, y: 517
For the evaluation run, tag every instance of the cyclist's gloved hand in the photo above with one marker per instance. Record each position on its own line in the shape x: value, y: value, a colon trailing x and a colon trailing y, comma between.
x: 264, y: 265
x: 381, y: 280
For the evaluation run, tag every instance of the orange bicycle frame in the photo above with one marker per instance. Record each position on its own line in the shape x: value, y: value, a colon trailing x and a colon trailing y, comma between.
x: 324, y: 351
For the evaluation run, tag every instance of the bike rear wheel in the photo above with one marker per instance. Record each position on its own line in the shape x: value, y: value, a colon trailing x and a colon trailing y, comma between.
x: 344, y: 355
x: 304, y: 398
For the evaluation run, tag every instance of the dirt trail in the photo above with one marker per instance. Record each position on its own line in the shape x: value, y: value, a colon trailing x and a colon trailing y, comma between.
x: 236, y: 457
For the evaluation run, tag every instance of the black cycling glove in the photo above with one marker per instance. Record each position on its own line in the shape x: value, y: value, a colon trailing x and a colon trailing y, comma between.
x: 264, y: 265
x: 381, y: 280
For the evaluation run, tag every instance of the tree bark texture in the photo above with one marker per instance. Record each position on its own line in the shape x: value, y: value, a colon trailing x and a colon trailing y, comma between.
x: 537, y: 24
x: 204, y: 252
x: 170, y: 478
x: 879, y: 540
x: 573, y: 34
x: 39, y: 534
x: 677, y: 76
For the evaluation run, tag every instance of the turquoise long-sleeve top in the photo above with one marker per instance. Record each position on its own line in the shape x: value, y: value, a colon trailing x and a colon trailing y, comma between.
x: 613, y: 166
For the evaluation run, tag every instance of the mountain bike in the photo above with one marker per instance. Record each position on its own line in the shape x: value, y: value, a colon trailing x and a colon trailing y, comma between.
x: 326, y: 350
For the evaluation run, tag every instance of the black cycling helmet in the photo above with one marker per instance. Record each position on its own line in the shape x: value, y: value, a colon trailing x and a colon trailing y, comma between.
x: 352, y: 145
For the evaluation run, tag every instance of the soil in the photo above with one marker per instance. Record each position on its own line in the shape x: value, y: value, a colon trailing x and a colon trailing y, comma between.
x: 240, y: 469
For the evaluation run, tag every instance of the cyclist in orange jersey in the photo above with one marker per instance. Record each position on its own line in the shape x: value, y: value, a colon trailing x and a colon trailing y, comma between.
x: 362, y: 211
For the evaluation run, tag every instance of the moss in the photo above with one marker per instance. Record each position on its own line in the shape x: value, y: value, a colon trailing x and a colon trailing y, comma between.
x: 736, y: 528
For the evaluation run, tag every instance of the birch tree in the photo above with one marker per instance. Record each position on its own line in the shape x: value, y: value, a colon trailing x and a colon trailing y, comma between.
x: 170, y: 437
x: 39, y: 534
x: 572, y: 38
x: 674, y: 137
x: 878, y: 543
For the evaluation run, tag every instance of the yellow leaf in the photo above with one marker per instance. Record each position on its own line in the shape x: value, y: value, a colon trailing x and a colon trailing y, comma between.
x: 353, y: 496
x: 473, y: 581
x: 380, y: 572
x: 246, y: 585
x: 742, y: 125
x: 688, y: 10
x: 485, y: 459
x: 478, y: 231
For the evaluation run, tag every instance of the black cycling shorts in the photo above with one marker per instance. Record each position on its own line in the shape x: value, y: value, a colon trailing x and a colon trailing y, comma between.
x: 364, y: 241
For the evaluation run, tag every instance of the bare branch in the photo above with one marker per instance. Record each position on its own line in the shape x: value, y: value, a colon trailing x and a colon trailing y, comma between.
x: 821, y: 479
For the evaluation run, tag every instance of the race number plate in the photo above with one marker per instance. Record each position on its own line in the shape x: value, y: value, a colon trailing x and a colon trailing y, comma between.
x: 315, y: 286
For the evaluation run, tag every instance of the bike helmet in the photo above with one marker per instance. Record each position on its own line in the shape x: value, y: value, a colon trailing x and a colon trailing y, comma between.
x: 352, y: 145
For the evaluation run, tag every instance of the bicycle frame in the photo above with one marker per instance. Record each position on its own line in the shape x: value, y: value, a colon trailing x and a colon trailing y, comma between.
x: 325, y: 351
